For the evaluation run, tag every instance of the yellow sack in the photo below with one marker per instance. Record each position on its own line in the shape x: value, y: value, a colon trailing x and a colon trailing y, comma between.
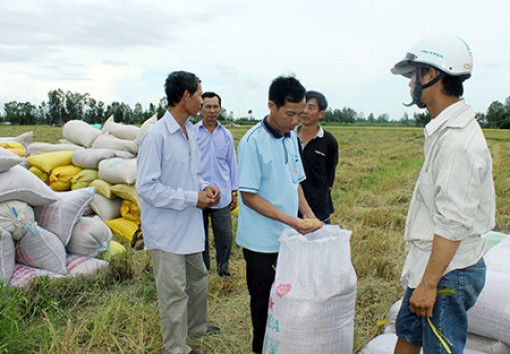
x: 43, y: 176
x: 60, y: 177
x: 50, y: 160
x: 235, y: 211
x: 126, y: 191
x: 115, y: 248
x: 83, y: 179
x: 14, y: 147
x: 130, y: 210
x: 123, y: 228
x: 104, y: 188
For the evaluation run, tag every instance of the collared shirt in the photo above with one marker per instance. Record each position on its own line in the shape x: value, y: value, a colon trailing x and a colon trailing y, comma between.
x: 219, y: 163
x: 454, y: 195
x: 270, y: 166
x: 168, y: 182
x: 320, y: 158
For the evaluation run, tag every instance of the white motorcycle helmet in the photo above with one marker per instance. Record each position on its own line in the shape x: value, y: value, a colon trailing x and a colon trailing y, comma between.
x: 445, y: 52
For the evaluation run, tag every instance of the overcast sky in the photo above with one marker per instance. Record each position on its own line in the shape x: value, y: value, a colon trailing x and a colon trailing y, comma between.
x: 123, y: 50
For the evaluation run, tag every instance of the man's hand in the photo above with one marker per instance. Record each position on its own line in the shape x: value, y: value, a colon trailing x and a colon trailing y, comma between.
x: 209, y: 197
x: 423, y: 299
x: 424, y: 296
x: 215, y: 193
x: 304, y: 226
x: 233, y: 203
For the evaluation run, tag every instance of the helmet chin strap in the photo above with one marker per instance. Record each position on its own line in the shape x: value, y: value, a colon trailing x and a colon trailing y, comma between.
x: 418, y: 88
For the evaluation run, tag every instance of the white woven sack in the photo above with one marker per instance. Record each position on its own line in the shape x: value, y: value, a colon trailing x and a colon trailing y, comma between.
x: 81, y: 265
x: 80, y: 133
x: 313, y: 296
x: 18, y: 183
x: 389, y: 327
x: 60, y: 217
x: 118, y: 170
x: 147, y: 124
x: 121, y: 131
x: 8, y: 159
x: 90, y: 237
x: 41, y: 148
x: 25, y: 139
x: 109, y: 141
x: 490, y: 316
x: 68, y: 142
x: 486, y: 345
x: 106, y: 208
x: 17, y: 218
x: 24, y: 274
x: 497, y: 258
x: 385, y: 344
x: 90, y: 158
x: 7, y: 255
x: 42, y: 249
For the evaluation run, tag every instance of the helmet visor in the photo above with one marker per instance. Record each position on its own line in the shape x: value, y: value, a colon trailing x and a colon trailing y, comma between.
x: 406, y: 66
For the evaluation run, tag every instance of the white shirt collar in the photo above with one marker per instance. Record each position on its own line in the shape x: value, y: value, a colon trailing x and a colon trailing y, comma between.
x: 450, y: 111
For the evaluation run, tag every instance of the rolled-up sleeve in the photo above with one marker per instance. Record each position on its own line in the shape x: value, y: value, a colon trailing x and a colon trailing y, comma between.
x: 457, y: 192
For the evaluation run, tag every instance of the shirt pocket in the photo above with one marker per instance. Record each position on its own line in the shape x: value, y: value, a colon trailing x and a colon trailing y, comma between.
x: 221, y: 151
x: 294, y: 167
x: 426, y: 190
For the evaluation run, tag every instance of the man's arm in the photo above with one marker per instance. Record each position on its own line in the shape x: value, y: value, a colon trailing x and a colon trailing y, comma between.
x: 424, y: 297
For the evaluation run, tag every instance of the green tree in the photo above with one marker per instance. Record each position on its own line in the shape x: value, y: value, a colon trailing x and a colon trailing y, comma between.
x: 422, y: 119
x: 138, y: 116
x: 56, y: 111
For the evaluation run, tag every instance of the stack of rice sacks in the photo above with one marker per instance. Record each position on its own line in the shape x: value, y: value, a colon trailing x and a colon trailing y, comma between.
x: 102, y: 158
x: 43, y: 232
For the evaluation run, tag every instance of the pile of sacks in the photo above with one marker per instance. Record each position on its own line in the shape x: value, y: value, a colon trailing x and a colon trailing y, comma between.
x: 101, y: 158
x: 489, y: 318
x: 43, y: 232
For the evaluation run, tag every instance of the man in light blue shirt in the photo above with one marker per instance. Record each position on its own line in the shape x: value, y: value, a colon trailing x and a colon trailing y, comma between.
x: 172, y: 195
x: 270, y: 172
x: 219, y: 168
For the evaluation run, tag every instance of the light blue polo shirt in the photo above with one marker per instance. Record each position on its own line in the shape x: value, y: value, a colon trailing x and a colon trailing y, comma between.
x: 270, y: 166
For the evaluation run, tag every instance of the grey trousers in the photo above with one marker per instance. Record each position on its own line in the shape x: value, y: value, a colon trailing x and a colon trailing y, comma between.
x: 181, y: 283
x: 222, y: 232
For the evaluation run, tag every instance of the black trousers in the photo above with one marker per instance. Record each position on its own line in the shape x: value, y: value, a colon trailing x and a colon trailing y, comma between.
x: 260, y: 273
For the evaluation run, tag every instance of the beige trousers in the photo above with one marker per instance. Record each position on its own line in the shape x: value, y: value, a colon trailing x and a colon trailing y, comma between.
x: 181, y: 283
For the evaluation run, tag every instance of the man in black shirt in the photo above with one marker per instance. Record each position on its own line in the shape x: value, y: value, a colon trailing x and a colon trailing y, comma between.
x: 319, y: 153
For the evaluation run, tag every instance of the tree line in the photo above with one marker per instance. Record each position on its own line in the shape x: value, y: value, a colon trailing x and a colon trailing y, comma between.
x: 64, y: 106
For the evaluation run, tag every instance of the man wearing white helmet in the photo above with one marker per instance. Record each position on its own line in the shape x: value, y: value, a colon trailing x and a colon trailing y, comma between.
x: 453, y: 203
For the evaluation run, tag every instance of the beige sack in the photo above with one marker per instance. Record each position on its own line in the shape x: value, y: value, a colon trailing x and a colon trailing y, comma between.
x: 90, y: 237
x: 43, y: 249
x: 121, y: 131
x: 118, y: 170
x: 106, y: 208
x: 18, y: 183
x: 81, y: 133
x: 60, y: 217
x: 109, y: 141
x: 8, y: 159
x: 16, y: 217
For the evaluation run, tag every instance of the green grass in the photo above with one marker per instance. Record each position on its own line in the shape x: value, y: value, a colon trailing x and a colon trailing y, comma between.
x: 116, y: 311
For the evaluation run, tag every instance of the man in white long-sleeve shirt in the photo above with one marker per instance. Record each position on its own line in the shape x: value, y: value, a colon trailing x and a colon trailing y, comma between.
x: 453, y: 203
x: 172, y: 195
